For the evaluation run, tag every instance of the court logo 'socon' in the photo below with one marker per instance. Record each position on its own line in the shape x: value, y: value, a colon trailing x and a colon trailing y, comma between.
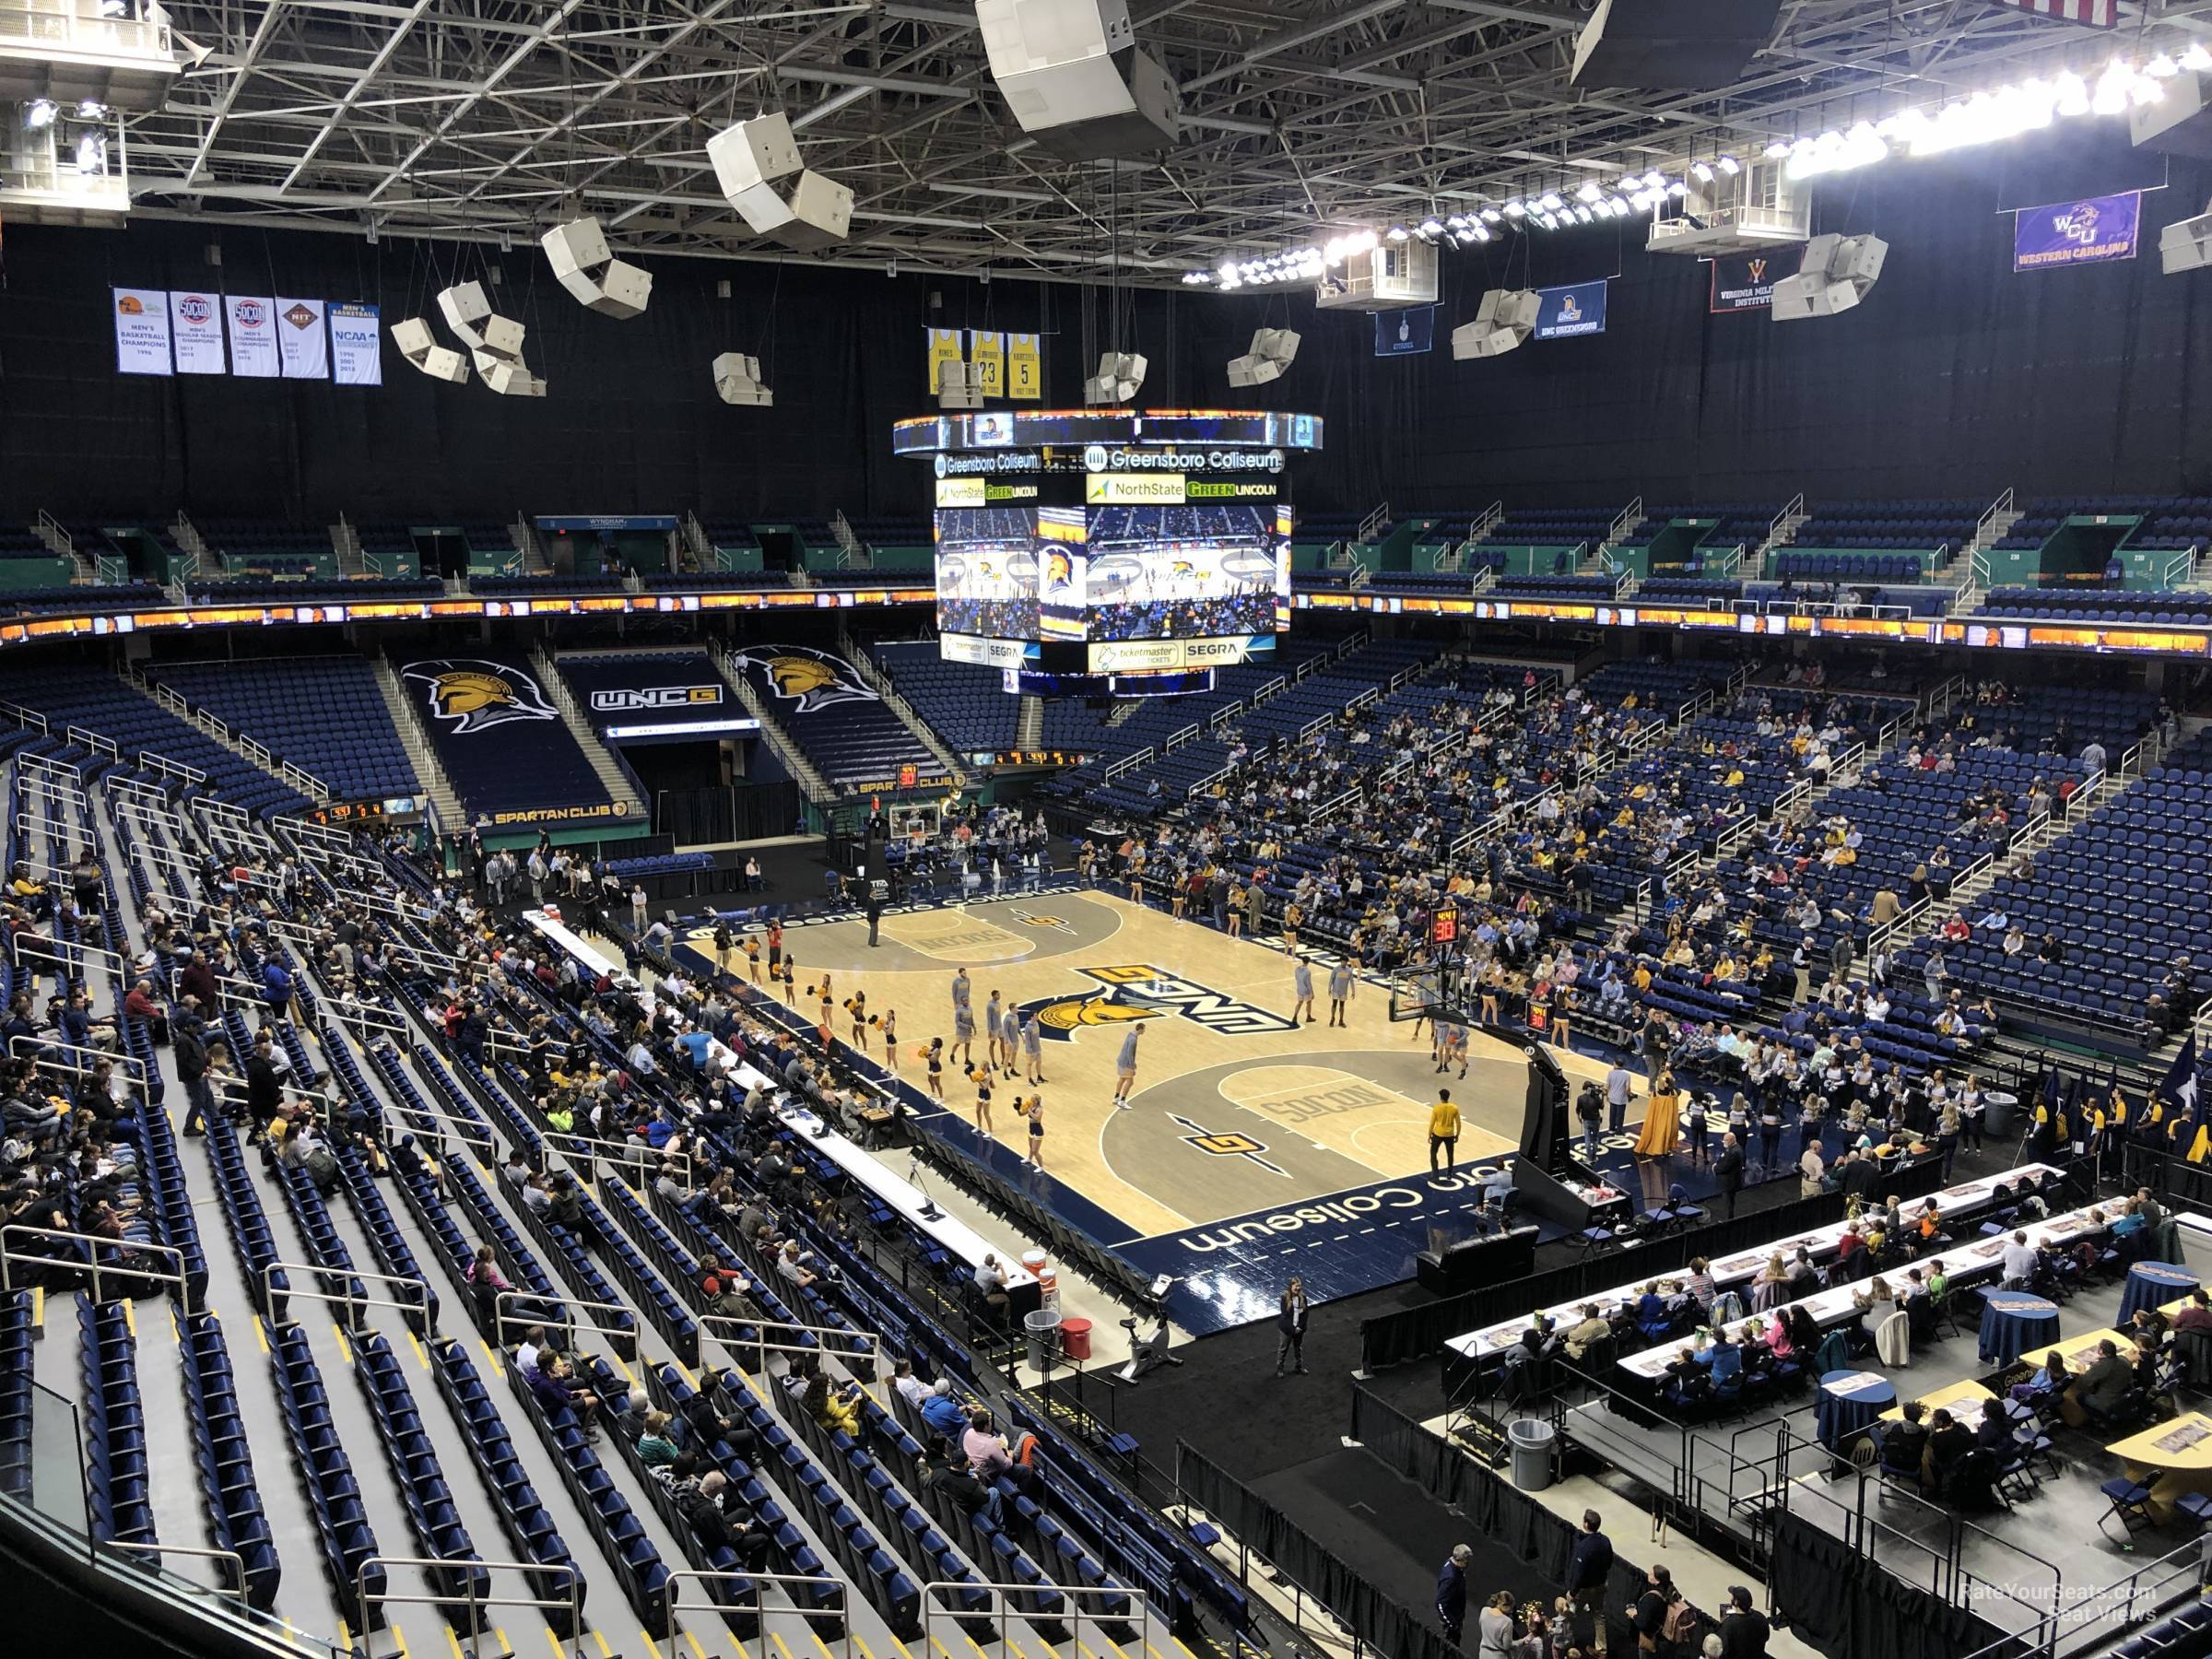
x: 1140, y: 991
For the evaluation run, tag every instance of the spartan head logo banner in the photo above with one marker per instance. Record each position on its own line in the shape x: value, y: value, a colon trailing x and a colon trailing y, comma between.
x: 471, y: 694
x: 811, y: 679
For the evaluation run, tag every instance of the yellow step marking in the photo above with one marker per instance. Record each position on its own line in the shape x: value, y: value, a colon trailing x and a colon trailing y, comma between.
x: 553, y: 1641
x: 453, y: 1642
x: 604, y: 1652
x: 818, y: 1643
x: 861, y: 1646
x: 130, y: 1319
x: 692, y: 1643
x: 779, y: 1647
x: 399, y: 1636
x: 684, y: 1371
x: 421, y: 1359
x: 631, y: 1375
x: 492, y: 1355
x: 345, y: 1353
x: 261, y: 1334
x: 38, y: 1306
x: 504, y: 1646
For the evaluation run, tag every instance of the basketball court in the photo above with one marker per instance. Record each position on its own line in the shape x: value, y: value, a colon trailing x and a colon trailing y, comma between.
x: 1247, y: 1140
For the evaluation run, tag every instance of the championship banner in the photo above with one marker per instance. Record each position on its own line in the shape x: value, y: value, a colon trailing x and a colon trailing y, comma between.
x: 252, y: 320
x: 141, y: 331
x: 1746, y: 281
x: 195, y: 332
x: 987, y: 352
x: 2069, y: 233
x: 303, y: 343
x: 1025, y: 367
x: 1578, y: 309
x: 1405, y: 333
x: 944, y: 347
x: 356, y: 352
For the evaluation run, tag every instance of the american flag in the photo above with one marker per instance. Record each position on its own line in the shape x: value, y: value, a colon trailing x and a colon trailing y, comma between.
x: 2096, y: 14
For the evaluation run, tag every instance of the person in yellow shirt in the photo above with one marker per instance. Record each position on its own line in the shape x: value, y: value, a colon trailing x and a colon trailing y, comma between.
x: 1443, y: 1130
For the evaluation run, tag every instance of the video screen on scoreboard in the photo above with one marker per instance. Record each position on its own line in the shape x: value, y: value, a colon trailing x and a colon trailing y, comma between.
x: 1188, y: 573
x: 987, y: 572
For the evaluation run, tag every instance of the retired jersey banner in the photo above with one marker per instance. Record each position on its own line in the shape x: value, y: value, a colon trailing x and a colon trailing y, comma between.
x: 1579, y: 309
x: 988, y: 351
x: 251, y: 320
x: 1025, y: 367
x: 944, y: 347
x: 303, y: 343
x: 357, y: 348
x: 1407, y: 332
x: 195, y: 332
x: 141, y: 330
x: 2089, y: 232
x: 1746, y: 281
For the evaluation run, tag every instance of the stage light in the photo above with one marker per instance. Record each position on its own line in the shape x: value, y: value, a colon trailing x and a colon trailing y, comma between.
x: 1777, y: 150
x: 1547, y: 221
x: 1550, y: 202
x: 1490, y: 216
x: 39, y: 114
x: 1457, y: 222
x: 1481, y: 233
x: 2198, y: 60
x: 1515, y: 209
x: 1701, y: 171
x: 1620, y: 207
x: 1583, y: 214
x: 1630, y: 181
x: 1588, y: 191
x: 2162, y: 68
x: 1729, y: 165
x: 91, y: 109
x: 584, y: 265
x: 1676, y: 188
x: 1431, y: 228
x: 1654, y: 180
x: 1396, y: 233
x: 1503, y: 321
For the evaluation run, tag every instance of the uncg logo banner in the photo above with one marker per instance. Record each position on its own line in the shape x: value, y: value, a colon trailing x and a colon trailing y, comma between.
x: 669, y: 689
x: 1578, y: 309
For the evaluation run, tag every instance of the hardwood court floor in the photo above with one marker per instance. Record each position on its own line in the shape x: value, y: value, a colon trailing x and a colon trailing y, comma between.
x: 1235, y: 1109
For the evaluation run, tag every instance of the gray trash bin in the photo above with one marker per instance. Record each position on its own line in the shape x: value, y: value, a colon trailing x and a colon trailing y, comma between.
x: 1043, y: 1329
x: 1996, y: 1114
x: 1532, y: 1453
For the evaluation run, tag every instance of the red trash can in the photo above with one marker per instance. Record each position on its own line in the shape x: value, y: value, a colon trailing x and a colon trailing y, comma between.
x: 1074, y: 1339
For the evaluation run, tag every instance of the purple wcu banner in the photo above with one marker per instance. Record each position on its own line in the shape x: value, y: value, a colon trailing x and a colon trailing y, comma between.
x: 2088, y: 231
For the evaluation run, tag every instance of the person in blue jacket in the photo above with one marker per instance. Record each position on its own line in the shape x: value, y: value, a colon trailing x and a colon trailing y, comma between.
x: 1452, y: 1592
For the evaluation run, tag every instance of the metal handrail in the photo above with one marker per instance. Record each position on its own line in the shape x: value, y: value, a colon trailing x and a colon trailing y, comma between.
x: 933, y: 1591
x: 502, y: 1319
x: 156, y: 1548
x: 363, y: 1600
x: 755, y: 1580
x: 92, y: 1264
x: 425, y: 1309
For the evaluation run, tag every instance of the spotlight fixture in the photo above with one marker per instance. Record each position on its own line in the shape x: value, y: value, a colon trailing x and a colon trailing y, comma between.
x: 1729, y: 165
x: 1619, y: 206
x: 1654, y: 180
x: 1547, y: 221
x: 1583, y: 214
x: 1272, y: 350
x: 1551, y: 202
x: 1777, y: 150
x: 1396, y: 233
x: 39, y: 114
x: 1837, y: 271
x: 737, y: 381
x: 584, y: 265
x: 1431, y: 228
x: 420, y: 348
x: 1502, y: 323
x: 1515, y: 209
x: 91, y: 108
x: 1490, y: 216
x: 1588, y: 191
x: 495, y: 342
x: 1701, y: 171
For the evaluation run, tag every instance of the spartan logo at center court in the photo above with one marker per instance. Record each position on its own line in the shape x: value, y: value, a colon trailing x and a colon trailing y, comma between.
x: 474, y: 695
x: 1035, y: 920
x: 1142, y: 992
x: 1227, y: 1143
x: 812, y: 679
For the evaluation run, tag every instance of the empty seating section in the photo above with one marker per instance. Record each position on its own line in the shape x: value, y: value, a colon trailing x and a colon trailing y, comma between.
x: 16, y: 1307
x: 1939, y: 527
x: 116, y: 1475
x: 851, y: 734
x: 1689, y: 591
x: 225, y: 1455
x: 964, y: 703
x: 2184, y: 609
x: 264, y: 547
x: 439, y: 1534
x: 1554, y: 587
x: 20, y: 541
x: 349, y: 589
x: 348, y: 1545
x: 1741, y: 524
x: 101, y: 703
x: 2124, y: 893
x: 81, y: 596
x: 324, y: 714
x: 1855, y: 567
x: 2169, y: 522
x: 1553, y: 527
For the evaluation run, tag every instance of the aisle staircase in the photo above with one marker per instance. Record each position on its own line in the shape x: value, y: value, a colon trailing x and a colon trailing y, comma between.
x: 786, y: 750
x: 613, y: 776
x: 445, y: 804
x: 880, y: 683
